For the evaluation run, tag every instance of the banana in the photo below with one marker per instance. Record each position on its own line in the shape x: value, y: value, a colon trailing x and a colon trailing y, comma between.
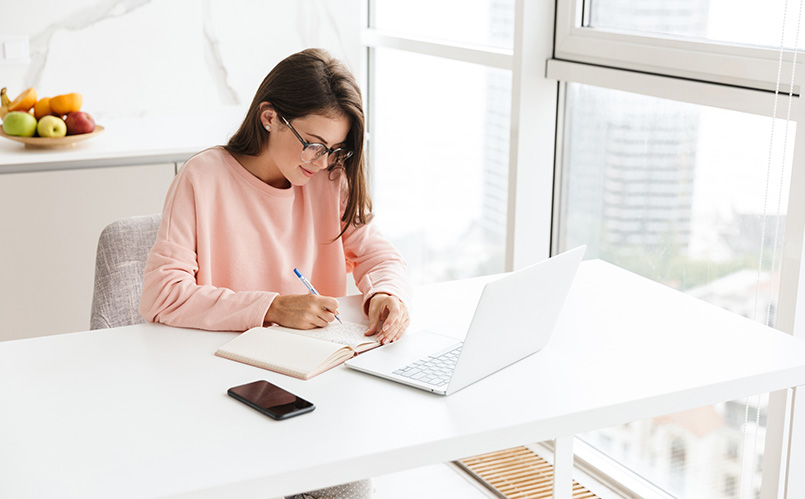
x: 4, y: 103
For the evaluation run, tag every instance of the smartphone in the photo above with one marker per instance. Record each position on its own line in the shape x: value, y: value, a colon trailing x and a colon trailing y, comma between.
x: 271, y: 400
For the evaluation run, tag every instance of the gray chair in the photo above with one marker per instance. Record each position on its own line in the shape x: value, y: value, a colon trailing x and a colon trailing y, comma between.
x: 119, y: 267
x: 119, y: 270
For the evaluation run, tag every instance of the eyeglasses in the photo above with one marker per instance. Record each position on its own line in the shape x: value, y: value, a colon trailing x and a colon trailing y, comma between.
x: 311, y: 151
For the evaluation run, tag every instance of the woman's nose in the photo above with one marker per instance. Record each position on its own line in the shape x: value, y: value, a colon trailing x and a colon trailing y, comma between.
x: 321, y: 162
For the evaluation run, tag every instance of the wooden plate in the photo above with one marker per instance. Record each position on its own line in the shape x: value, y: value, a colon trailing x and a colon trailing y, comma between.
x: 52, y: 142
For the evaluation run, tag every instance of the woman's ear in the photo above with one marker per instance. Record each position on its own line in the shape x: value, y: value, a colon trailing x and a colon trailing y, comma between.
x: 268, y: 116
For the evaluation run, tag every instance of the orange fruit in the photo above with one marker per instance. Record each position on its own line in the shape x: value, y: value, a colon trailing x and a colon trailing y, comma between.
x: 66, y: 103
x: 42, y: 107
x: 24, y: 102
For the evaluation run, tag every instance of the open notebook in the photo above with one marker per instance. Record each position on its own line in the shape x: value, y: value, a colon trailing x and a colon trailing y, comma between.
x: 297, y: 352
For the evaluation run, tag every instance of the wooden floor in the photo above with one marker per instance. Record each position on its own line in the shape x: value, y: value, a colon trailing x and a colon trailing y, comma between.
x: 516, y: 473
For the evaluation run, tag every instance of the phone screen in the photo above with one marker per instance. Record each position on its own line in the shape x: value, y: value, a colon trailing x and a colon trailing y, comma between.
x: 271, y: 400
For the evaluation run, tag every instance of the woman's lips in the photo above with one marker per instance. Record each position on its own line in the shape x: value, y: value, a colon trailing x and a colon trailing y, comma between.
x: 306, y: 172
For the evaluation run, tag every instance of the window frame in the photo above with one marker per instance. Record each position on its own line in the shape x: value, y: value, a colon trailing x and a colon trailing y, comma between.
x: 721, y: 75
x: 717, y: 62
x: 530, y: 180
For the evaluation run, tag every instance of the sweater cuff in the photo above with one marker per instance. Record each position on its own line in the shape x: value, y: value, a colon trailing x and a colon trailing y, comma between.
x: 262, y: 310
x: 400, y: 294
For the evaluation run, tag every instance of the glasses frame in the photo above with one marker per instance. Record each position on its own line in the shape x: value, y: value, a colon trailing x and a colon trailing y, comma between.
x: 327, y: 150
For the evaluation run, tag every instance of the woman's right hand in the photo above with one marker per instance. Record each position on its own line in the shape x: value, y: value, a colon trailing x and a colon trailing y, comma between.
x: 302, y: 311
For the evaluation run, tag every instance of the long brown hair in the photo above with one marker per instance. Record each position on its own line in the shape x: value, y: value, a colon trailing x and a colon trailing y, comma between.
x: 313, y: 82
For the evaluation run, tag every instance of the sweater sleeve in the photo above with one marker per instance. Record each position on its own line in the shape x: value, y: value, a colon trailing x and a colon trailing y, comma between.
x: 171, y: 294
x: 377, y: 266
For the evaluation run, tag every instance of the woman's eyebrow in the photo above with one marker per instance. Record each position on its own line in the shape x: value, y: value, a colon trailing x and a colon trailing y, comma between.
x: 321, y: 139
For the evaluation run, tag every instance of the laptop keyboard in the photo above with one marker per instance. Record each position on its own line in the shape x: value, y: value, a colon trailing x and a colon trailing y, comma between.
x: 436, y: 371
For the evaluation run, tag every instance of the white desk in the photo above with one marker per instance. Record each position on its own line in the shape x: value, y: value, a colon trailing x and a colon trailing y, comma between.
x: 142, y: 411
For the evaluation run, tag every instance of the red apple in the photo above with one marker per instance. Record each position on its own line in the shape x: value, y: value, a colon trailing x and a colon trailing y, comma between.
x: 79, y: 122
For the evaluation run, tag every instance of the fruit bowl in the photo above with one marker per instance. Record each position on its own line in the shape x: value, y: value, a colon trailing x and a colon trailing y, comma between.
x: 52, y: 142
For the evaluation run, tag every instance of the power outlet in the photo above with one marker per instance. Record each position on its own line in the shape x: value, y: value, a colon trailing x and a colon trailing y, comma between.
x: 14, y: 50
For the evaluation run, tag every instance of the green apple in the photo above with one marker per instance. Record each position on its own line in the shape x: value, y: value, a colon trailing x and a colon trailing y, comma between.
x: 51, y: 126
x: 19, y: 124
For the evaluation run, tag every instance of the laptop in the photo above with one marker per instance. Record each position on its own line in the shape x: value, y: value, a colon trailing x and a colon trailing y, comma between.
x: 514, y: 318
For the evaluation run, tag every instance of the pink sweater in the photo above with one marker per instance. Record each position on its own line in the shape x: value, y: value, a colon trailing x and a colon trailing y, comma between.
x: 228, y: 245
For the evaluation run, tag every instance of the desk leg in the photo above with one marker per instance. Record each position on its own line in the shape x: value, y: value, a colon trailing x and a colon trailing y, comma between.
x: 563, y: 468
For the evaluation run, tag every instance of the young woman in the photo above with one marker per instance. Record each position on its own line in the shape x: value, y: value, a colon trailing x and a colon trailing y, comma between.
x: 288, y: 191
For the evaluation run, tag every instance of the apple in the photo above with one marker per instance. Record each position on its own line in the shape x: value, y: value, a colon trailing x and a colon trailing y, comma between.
x: 19, y: 124
x: 79, y: 122
x: 51, y: 126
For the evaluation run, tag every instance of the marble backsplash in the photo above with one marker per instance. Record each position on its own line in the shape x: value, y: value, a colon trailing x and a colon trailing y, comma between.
x: 131, y: 58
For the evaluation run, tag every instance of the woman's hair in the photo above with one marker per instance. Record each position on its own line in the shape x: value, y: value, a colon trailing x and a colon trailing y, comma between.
x: 313, y: 82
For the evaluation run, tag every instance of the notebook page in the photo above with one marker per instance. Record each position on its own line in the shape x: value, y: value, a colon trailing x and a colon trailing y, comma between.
x: 278, y: 350
x: 348, y: 333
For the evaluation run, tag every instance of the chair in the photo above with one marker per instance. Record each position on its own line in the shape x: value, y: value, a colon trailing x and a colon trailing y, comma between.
x: 123, y: 248
x: 119, y: 267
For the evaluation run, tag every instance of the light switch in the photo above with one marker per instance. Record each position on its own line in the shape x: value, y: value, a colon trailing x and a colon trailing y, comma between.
x: 14, y: 50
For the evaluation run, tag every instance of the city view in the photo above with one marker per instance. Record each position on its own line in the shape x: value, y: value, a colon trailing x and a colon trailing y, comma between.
x: 646, y: 192
x: 690, y: 196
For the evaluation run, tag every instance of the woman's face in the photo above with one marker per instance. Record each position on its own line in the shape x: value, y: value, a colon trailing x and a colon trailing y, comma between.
x: 285, y: 149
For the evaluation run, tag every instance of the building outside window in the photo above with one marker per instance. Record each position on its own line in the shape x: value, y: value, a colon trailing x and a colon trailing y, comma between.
x: 440, y: 139
x: 686, y: 188
x: 689, y: 194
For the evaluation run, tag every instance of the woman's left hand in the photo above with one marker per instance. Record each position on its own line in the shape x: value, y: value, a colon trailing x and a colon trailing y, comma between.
x: 388, y: 317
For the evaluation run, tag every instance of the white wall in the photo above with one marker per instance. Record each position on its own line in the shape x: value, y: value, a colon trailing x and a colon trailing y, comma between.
x: 130, y: 59
x: 138, y: 57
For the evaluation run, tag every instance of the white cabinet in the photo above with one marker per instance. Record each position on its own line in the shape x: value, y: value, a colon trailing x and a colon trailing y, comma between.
x: 49, y: 227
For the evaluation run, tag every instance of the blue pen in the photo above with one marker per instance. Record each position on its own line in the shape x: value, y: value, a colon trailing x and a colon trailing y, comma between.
x: 311, y: 288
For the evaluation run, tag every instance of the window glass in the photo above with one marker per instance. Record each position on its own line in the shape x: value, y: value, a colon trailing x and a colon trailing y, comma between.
x: 439, y: 169
x: 676, y: 192
x: 746, y: 22
x: 482, y: 22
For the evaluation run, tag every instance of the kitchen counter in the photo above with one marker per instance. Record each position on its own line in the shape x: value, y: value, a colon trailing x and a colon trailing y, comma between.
x: 126, y: 142
x: 56, y: 203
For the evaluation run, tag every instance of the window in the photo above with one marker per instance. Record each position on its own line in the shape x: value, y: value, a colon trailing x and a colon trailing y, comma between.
x: 714, y: 20
x: 439, y: 122
x: 670, y: 163
x: 440, y: 163
x: 732, y: 449
x: 482, y: 22
x: 678, y: 464
x: 715, y: 40
x: 672, y: 191
x: 730, y: 486
x: 677, y: 192
x: 654, y: 126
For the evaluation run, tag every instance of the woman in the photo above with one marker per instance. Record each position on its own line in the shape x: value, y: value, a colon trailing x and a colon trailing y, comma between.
x: 288, y: 191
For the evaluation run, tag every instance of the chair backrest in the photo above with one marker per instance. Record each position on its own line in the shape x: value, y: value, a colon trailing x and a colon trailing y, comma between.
x: 119, y: 268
